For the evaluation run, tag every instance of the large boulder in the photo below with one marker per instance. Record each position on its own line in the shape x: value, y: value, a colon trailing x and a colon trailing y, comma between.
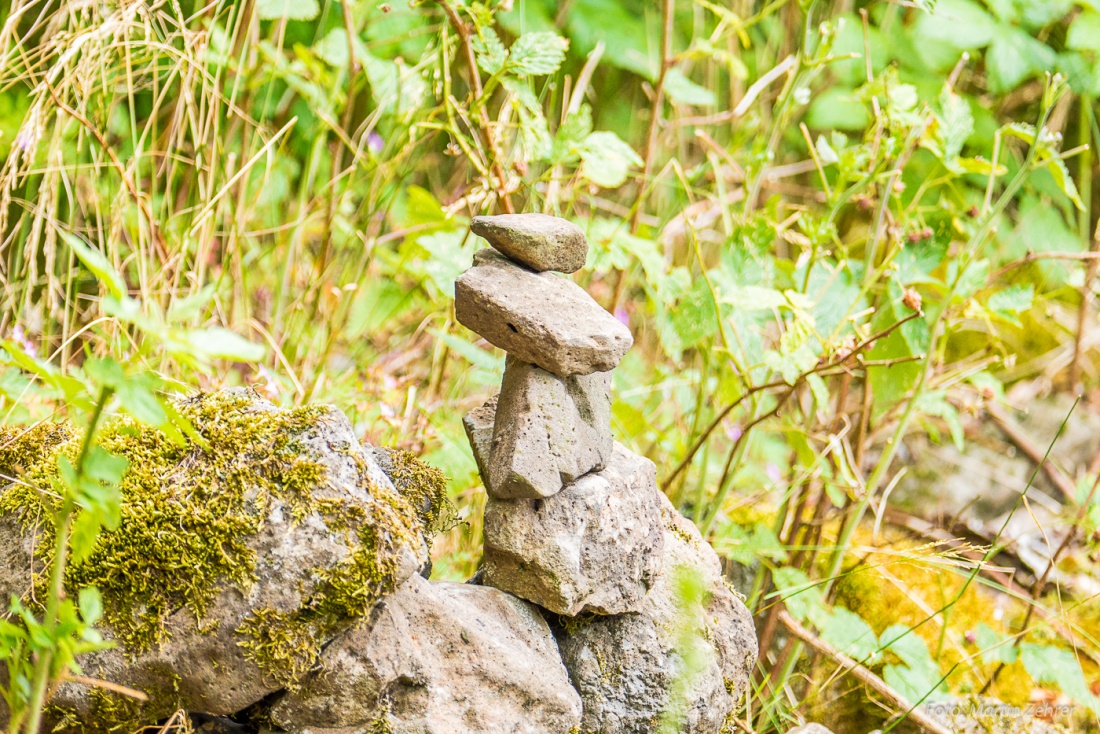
x: 594, y: 546
x: 234, y: 563
x: 682, y: 660
x: 541, y: 318
x: 439, y: 658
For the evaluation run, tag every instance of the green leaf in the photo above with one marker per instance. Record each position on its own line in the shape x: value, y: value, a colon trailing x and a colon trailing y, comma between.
x: 919, y: 679
x: 837, y: 109
x: 98, y: 264
x: 962, y: 24
x: 682, y: 90
x: 607, y: 159
x: 847, y: 632
x: 489, y: 51
x: 1011, y: 301
x: 1084, y: 33
x: 994, y: 647
x: 480, y: 358
x: 1014, y: 57
x: 1057, y: 168
x: 537, y: 54
x: 956, y: 123
x: 802, y: 597
x: 90, y: 604
x: 1047, y: 664
x: 935, y: 404
x: 288, y: 9
x: 219, y: 343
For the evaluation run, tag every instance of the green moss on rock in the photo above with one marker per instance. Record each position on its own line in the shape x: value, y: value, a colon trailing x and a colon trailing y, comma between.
x: 188, y: 514
x: 423, y: 486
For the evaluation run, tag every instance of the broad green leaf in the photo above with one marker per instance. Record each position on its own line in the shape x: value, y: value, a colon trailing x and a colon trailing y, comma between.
x: 477, y: 357
x: 288, y: 9
x: 220, y: 343
x: 837, y: 109
x: 1084, y: 32
x: 935, y: 404
x: 847, y: 632
x: 1012, y: 301
x: 607, y: 159
x: 490, y: 52
x: 801, y: 596
x: 1047, y: 664
x: 97, y: 263
x: 537, y: 54
x: 91, y: 604
x: 1015, y: 56
x: 963, y: 24
x: 682, y: 90
x: 995, y: 648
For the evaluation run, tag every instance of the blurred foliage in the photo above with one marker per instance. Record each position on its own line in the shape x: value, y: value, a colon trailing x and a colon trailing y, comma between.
x: 829, y: 224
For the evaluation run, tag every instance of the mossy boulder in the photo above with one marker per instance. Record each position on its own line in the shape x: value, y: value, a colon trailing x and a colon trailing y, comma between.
x: 234, y: 563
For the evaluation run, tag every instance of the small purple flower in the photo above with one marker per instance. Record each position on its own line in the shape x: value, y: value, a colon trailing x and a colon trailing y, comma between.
x: 375, y: 143
x: 773, y: 472
x: 733, y: 430
x: 622, y: 315
x: 20, y: 336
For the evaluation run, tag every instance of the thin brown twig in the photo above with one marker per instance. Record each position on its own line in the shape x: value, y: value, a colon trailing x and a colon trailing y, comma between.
x: 1019, y: 439
x: 919, y: 717
x: 835, y: 362
x: 477, y: 90
x: 658, y: 103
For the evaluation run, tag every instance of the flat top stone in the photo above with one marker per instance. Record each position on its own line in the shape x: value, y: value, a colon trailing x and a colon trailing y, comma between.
x: 539, y: 241
x: 541, y: 318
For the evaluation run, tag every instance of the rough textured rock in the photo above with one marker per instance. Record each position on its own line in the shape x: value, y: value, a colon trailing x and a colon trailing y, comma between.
x: 548, y: 430
x: 594, y: 546
x: 627, y: 668
x: 478, y: 424
x: 541, y: 318
x: 439, y: 658
x: 298, y: 494
x: 539, y: 241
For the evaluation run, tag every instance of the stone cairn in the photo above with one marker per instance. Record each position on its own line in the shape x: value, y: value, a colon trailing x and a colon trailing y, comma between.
x: 575, y: 522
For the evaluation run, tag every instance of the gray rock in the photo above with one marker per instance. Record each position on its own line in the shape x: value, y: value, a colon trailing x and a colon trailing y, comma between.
x: 478, y: 424
x: 810, y: 729
x: 539, y: 241
x: 628, y: 668
x: 594, y: 546
x: 540, y: 318
x: 200, y: 662
x: 548, y: 430
x: 439, y: 658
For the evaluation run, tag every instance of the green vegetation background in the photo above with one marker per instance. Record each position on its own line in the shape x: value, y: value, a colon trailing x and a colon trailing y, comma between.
x: 828, y: 223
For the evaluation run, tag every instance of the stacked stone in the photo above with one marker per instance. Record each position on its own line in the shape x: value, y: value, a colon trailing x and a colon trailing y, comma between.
x: 574, y: 521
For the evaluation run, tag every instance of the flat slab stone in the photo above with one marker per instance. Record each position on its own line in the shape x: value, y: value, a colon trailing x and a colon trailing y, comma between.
x: 539, y: 241
x: 541, y: 318
x: 548, y: 430
x: 628, y: 667
x: 595, y: 546
x: 439, y: 658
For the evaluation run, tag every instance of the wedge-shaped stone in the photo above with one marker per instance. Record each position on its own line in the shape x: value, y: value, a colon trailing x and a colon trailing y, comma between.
x: 539, y: 241
x: 548, y: 430
x: 540, y: 318
x: 595, y: 546
x: 630, y: 669
x: 438, y: 658
x: 478, y: 424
